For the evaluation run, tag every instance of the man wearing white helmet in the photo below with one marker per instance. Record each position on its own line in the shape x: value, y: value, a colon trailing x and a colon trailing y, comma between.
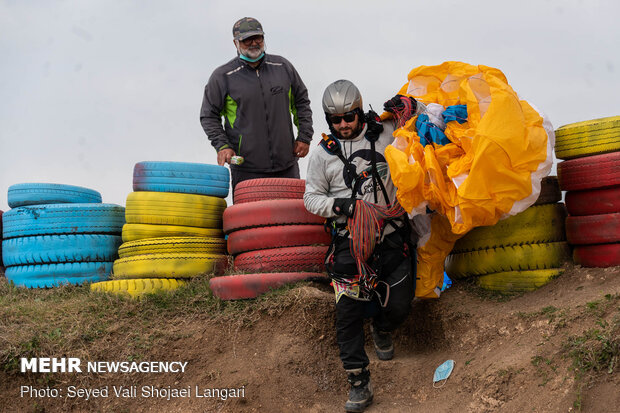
x: 257, y: 94
x: 348, y: 167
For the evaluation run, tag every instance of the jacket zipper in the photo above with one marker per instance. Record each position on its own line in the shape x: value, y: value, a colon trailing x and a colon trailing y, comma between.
x: 266, y: 115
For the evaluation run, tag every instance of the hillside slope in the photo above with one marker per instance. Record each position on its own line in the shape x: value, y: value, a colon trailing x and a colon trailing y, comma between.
x: 551, y: 350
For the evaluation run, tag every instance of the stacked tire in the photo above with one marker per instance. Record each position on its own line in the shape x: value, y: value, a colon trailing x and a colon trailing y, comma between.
x: 174, y: 227
x: 520, y: 253
x: 1, y: 262
x: 59, y: 234
x: 273, y: 238
x: 591, y: 176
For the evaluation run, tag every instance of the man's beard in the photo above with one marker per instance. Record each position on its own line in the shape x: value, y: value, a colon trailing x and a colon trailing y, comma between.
x: 251, y: 52
x: 353, y: 132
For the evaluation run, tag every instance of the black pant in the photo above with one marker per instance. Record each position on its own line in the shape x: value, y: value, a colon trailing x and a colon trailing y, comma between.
x: 240, y: 175
x: 393, y: 264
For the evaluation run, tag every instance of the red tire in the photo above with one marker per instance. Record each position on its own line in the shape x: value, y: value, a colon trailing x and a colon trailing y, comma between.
x: 593, y: 202
x: 266, y: 213
x: 235, y: 287
x: 593, y: 229
x: 269, y: 188
x: 590, y: 172
x: 252, y: 239
x: 602, y: 255
x: 291, y: 259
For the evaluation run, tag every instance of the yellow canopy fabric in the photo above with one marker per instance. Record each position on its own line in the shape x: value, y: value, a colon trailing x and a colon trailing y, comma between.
x: 491, y: 169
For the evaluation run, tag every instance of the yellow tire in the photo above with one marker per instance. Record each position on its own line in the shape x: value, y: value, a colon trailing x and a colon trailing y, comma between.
x: 166, y: 208
x: 537, y: 224
x: 588, y: 138
x: 137, y: 288
x: 517, y: 281
x: 133, y: 232
x: 169, y: 265
x: 172, y: 245
x: 511, y: 258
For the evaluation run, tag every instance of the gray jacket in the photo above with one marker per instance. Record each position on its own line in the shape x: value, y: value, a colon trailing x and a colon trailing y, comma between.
x: 257, y: 105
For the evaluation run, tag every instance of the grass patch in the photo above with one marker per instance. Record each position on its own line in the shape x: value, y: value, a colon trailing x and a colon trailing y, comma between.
x: 597, y: 350
x: 593, y: 353
x: 553, y: 314
x: 544, y: 368
x: 600, y: 307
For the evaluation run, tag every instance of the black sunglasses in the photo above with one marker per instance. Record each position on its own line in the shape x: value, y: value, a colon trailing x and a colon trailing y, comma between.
x: 258, y: 38
x: 348, y: 117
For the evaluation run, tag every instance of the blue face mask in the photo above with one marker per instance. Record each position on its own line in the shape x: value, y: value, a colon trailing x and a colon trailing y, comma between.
x: 443, y: 372
x: 247, y: 59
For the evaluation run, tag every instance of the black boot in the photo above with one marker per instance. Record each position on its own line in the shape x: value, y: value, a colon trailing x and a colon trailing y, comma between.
x: 360, y: 395
x: 383, y: 343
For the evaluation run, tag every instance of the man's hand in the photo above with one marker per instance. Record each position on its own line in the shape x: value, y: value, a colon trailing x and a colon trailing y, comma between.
x: 400, y: 103
x: 344, y: 206
x: 375, y: 127
x: 301, y: 149
x: 224, y: 155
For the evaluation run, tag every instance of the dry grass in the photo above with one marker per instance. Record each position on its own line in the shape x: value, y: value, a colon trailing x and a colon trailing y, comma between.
x: 76, y: 322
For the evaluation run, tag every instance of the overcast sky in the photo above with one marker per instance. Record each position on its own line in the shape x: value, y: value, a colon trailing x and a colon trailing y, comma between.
x: 90, y: 87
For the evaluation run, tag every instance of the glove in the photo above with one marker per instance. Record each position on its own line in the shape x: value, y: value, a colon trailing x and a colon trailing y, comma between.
x: 375, y: 126
x: 399, y: 103
x: 344, y: 206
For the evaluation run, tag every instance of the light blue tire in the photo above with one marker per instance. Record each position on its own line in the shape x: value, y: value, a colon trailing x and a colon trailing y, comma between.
x: 54, y: 275
x: 1, y: 265
x: 46, y: 249
x: 40, y: 194
x: 63, y: 219
x: 182, y: 177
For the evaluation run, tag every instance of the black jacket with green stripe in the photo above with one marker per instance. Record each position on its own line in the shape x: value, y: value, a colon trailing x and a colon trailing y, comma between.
x: 257, y: 105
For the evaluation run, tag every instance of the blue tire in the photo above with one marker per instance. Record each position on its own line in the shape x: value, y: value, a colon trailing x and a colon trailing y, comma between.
x: 182, y: 177
x: 46, y: 249
x: 63, y: 219
x: 41, y: 194
x: 1, y: 265
x: 53, y: 275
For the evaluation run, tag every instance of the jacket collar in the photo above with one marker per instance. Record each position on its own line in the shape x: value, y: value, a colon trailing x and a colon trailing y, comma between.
x: 260, y: 62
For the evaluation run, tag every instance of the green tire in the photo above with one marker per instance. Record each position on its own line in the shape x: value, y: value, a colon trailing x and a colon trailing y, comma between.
x: 169, y: 265
x: 133, y: 232
x: 517, y: 281
x: 138, y: 287
x: 163, y: 208
x: 588, y: 138
x: 537, y: 224
x: 172, y: 245
x: 509, y: 258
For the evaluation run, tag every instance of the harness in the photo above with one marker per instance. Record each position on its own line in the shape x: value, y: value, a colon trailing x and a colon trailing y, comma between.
x: 333, y: 146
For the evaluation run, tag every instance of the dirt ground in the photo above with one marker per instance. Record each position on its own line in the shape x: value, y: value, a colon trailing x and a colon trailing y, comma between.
x: 511, y: 356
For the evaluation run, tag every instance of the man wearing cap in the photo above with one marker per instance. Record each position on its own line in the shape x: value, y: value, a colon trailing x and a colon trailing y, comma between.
x: 257, y: 93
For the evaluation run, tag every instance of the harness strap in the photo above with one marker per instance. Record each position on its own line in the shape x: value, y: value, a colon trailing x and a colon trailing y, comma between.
x: 332, y: 146
x: 375, y: 174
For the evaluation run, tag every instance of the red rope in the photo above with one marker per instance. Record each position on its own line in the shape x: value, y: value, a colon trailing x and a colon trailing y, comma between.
x: 405, y: 113
x: 365, y: 228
